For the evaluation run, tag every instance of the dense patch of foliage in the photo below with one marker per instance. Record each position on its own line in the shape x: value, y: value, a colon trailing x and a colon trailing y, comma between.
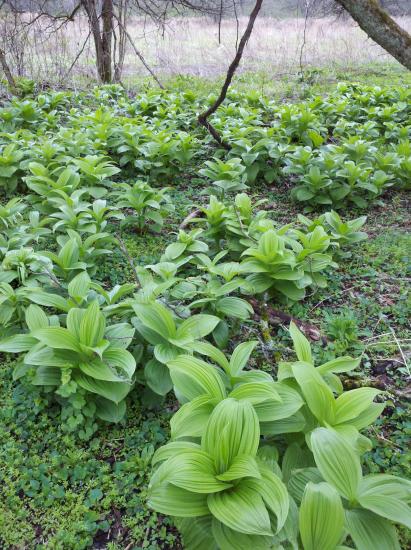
x: 255, y: 457
x: 346, y: 148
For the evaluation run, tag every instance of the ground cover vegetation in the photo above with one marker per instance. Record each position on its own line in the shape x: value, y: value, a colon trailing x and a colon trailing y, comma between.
x: 204, y: 348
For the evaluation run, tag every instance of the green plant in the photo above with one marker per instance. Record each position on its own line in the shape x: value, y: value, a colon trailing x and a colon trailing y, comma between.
x: 85, y: 354
x: 316, y: 498
x: 222, y: 482
x: 157, y: 326
x: 10, y: 173
x: 150, y: 206
x: 226, y: 177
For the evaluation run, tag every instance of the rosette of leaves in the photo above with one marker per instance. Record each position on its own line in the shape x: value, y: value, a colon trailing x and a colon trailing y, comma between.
x: 350, y: 412
x: 213, y: 296
x: 168, y: 337
x: 234, y: 498
x: 226, y: 177
x: 274, y: 266
x: 346, y: 502
x: 77, y: 254
x: 200, y: 386
x: 149, y: 206
x: 186, y: 244
x: 85, y: 354
x: 329, y: 498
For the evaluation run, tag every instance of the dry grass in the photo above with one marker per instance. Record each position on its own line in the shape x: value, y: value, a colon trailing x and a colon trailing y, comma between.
x: 189, y: 46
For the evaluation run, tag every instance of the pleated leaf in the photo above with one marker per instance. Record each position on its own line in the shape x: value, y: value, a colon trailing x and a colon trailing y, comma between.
x: 337, y: 461
x: 193, y: 377
x: 174, y: 501
x: 371, y: 532
x: 241, y: 509
x: 190, y: 420
x: 232, y: 430
x: 321, y: 517
x: 301, y: 344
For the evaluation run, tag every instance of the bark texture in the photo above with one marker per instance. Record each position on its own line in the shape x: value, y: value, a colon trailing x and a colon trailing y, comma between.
x: 382, y: 28
x: 7, y: 71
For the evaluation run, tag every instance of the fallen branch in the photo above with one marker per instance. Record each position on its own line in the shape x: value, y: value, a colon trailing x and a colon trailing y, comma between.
x: 202, y: 118
x: 190, y: 217
x: 277, y: 317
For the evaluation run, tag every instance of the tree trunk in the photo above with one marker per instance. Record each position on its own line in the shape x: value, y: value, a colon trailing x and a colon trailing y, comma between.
x: 102, y: 39
x: 379, y: 26
x: 107, y: 39
x: 7, y: 71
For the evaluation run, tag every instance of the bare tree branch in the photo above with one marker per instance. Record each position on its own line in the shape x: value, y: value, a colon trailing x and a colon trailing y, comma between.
x: 138, y: 54
x: 202, y: 118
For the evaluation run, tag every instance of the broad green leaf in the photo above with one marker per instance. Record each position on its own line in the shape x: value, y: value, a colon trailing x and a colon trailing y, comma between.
x: 190, y: 420
x: 109, y: 411
x: 368, y: 416
x: 196, y: 532
x: 41, y: 355
x: 158, y: 377
x: 240, y: 356
x: 151, y: 336
x: 120, y: 335
x: 292, y: 424
x: 79, y: 286
x: 241, y: 466
x: 274, y: 493
x: 296, y: 458
x: 340, y: 364
x: 241, y: 509
x: 157, y: 318
x: 49, y: 300
x: 174, y: 501
x: 221, y: 334
x: 234, y: 307
x: 386, y: 504
x: 171, y: 449
x: 207, y: 349
x: 193, y: 377
x: 371, y: 532
x: 166, y: 352
x: 92, y: 325
x: 100, y: 371
x: 20, y: 370
x: 47, y: 376
x: 352, y: 403
x: 57, y: 338
x: 299, y: 480
x: 73, y: 321
x: 337, y: 461
x: 301, y: 344
x: 318, y: 395
x: 195, y: 328
x: 321, y: 517
x: 17, y: 343
x: 113, y: 391
x: 291, y: 402
x: 386, y: 485
x: 120, y: 360
x: 192, y: 470
x: 36, y: 318
x: 232, y: 430
x: 230, y: 539
x: 256, y: 392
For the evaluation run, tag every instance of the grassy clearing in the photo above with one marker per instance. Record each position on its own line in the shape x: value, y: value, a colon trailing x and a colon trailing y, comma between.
x: 59, y: 491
